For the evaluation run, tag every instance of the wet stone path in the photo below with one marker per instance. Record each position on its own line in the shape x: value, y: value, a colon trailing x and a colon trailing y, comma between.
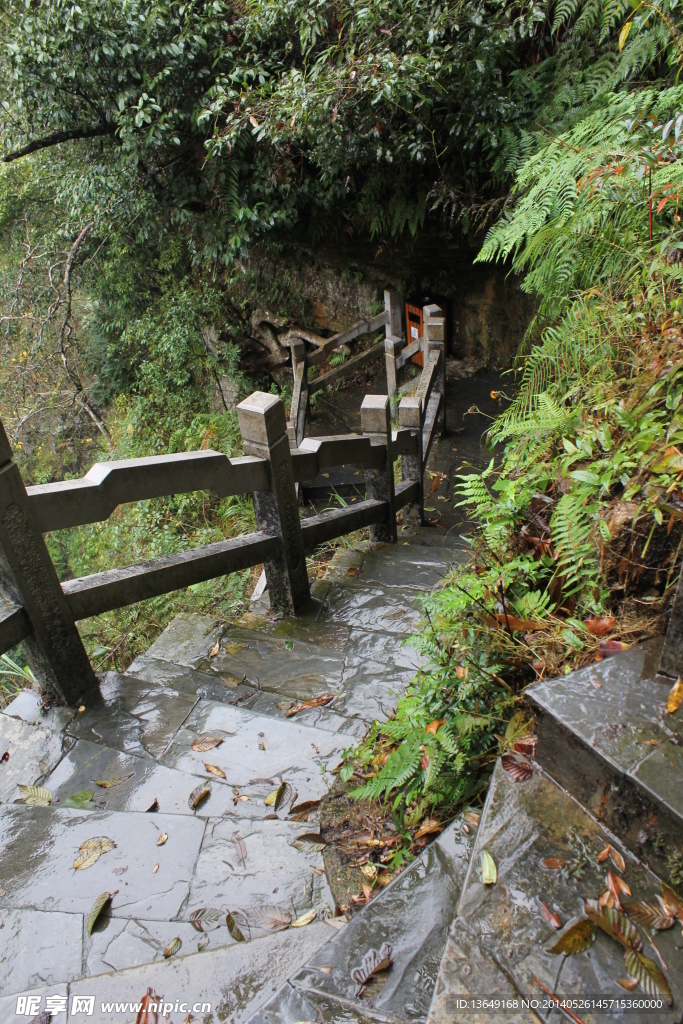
x: 189, y: 836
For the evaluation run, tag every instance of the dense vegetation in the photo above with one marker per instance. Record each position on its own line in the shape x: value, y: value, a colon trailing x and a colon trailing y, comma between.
x: 156, y: 154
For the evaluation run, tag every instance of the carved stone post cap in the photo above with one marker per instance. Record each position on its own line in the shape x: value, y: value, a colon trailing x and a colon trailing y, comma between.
x: 431, y: 311
x: 5, y: 447
x: 392, y: 344
x: 410, y: 412
x: 262, y: 418
x: 375, y: 414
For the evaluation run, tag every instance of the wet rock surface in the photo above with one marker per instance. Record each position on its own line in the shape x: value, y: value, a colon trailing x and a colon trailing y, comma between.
x: 546, y: 848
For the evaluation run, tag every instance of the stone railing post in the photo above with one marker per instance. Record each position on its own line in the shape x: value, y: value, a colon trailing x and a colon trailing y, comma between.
x: 410, y: 416
x: 375, y: 418
x: 28, y: 578
x: 299, y: 410
x: 264, y: 430
x: 435, y: 340
x: 393, y: 340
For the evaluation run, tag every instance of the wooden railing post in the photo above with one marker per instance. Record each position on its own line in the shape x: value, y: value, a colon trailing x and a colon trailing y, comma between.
x: 28, y: 578
x: 393, y: 342
x: 435, y: 340
x: 375, y: 415
x: 410, y: 415
x: 264, y: 430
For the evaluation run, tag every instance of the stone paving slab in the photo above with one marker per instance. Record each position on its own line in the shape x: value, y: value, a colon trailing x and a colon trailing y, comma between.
x: 264, y: 869
x: 501, y: 927
x: 207, y: 685
x: 38, y: 847
x: 33, y: 753
x: 410, y: 565
x: 28, y: 706
x: 38, y: 948
x: 132, y: 716
x: 413, y: 914
x: 187, y: 640
x: 378, y: 668
x: 257, y: 747
x: 372, y: 608
x: 149, y: 784
x: 289, y: 1004
x: 234, y: 981
x: 293, y: 667
x: 123, y: 944
x: 272, y: 704
x: 8, y: 1006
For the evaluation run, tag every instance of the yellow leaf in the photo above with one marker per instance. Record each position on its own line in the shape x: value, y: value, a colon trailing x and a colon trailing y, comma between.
x: 675, y: 696
x: 623, y: 35
x: 305, y: 918
x: 489, y: 872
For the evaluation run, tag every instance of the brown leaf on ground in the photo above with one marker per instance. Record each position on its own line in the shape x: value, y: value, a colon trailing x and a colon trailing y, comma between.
x: 215, y: 649
x: 428, y: 826
x: 512, y: 622
x: 614, y: 923
x: 277, y: 798
x: 550, y: 916
x: 172, y: 948
x: 434, y: 726
x: 198, y: 794
x: 234, y: 928
x: 616, y: 885
x: 554, y: 863
x: 649, y: 915
x: 270, y: 919
x: 300, y: 812
x: 162, y: 838
x: 672, y: 900
x: 115, y: 780
x: 614, y: 856
x: 145, y: 1014
x: 205, y: 919
x: 578, y: 937
x: 600, y: 626
x: 204, y: 743
x: 675, y: 698
x: 527, y: 745
x: 520, y: 771
x: 213, y: 769
x: 472, y: 818
x: 373, y: 962
x: 648, y: 975
x: 628, y: 983
x: 316, y: 702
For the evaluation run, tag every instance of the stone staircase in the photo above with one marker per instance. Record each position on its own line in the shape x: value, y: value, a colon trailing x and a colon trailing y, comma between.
x: 232, y: 852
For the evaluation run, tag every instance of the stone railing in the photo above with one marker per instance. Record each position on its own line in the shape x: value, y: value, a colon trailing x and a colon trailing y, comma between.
x: 35, y: 606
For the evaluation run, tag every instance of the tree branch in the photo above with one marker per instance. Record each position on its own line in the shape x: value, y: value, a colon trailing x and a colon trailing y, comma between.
x: 57, y: 137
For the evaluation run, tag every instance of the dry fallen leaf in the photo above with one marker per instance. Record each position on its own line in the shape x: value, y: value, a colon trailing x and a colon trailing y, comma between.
x: 578, y: 937
x: 616, y: 885
x: 472, y: 818
x: 204, y: 743
x: 518, y: 770
x: 600, y: 626
x: 215, y: 649
x: 628, y: 983
x: 270, y: 919
x: 240, y: 848
x: 675, y: 698
x: 172, y: 948
x: 155, y: 869
x: 649, y: 915
x: 316, y: 702
x: 553, y: 863
x: 205, y: 919
x: 672, y: 901
x: 372, y: 963
x: 614, y: 856
x: 434, y: 726
x: 162, y: 838
x: 36, y: 796
x: 614, y: 923
x: 550, y: 916
x: 277, y: 798
x: 198, y: 794
x: 98, y: 906
x: 428, y: 826
x: 91, y: 850
x: 115, y: 780
x: 301, y: 812
x: 527, y: 745
x: 233, y: 928
x: 489, y: 872
x: 213, y: 769
x: 305, y: 918
x: 648, y: 975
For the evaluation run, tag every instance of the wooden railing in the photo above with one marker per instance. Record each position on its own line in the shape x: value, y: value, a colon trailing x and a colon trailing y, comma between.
x: 35, y: 606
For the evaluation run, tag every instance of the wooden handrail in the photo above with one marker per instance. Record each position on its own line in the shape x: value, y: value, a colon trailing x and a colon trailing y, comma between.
x: 268, y: 471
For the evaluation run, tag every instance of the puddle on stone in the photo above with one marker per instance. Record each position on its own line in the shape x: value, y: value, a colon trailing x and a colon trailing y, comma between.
x: 192, y: 682
x: 187, y: 640
x: 373, y: 608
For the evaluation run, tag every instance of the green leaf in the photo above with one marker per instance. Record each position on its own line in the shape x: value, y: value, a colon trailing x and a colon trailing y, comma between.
x: 98, y: 906
x: 81, y: 800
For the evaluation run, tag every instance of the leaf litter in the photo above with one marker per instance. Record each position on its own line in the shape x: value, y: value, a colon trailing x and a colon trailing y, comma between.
x: 91, y: 850
x: 204, y: 743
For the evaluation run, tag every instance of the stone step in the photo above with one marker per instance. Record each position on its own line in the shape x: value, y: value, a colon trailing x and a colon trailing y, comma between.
x: 412, y: 914
x: 545, y: 847
x: 605, y: 735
